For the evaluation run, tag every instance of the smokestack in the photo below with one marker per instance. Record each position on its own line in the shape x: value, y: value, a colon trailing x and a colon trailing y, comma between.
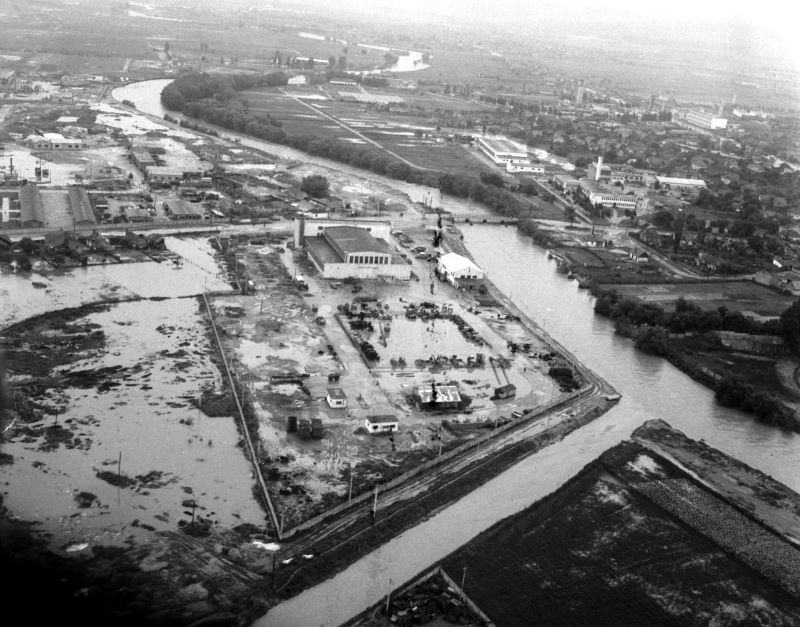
x: 599, y: 167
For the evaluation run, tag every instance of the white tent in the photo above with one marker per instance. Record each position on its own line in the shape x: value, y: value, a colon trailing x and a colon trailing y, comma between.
x: 455, y: 267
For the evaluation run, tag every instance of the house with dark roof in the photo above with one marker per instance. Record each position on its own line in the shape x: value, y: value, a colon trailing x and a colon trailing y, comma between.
x: 31, y: 209
x: 81, y: 206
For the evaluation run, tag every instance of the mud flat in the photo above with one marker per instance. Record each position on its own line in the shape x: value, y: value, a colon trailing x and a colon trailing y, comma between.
x: 631, y: 539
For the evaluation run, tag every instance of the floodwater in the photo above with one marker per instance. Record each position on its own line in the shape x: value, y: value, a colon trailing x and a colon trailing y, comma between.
x: 148, y: 417
x: 146, y: 95
x: 25, y: 295
x: 146, y: 425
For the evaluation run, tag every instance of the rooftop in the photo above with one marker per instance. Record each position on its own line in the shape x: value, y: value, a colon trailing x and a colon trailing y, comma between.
x: 501, y: 144
x: 353, y: 239
x: 444, y: 394
x: 80, y: 204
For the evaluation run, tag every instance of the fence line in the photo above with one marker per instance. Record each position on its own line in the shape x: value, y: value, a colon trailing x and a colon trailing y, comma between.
x: 256, y: 469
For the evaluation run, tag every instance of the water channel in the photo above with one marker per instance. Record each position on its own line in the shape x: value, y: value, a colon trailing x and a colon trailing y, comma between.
x: 650, y: 386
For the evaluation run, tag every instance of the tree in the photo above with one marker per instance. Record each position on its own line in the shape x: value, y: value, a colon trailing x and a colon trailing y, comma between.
x: 790, y: 326
x: 662, y: 219
x: 315, y: 185
x: 680, y: 221
x: 492, y: 178
x: 569, y: 214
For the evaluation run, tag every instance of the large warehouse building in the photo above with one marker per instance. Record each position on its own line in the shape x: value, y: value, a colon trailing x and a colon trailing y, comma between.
x: 502, y: 151
x: 347, y: 249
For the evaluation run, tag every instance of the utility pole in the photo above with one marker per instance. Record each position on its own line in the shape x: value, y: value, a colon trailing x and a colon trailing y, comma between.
x: 463, y: 578
x: 350, y: 491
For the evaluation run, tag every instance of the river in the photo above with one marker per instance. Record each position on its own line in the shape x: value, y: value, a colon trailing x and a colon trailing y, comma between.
x: 651, y: 388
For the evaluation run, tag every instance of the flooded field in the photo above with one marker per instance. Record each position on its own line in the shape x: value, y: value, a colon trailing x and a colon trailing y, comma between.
x: 154, y: 362
x: 24, y: 295
x: 125, y: 446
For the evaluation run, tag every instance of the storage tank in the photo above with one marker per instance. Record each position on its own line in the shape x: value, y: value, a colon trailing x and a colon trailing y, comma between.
x: 291, y: 424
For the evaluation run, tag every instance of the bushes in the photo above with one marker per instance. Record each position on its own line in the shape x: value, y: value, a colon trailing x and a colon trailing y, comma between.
x: 315, y: 185
x: 734, y: 392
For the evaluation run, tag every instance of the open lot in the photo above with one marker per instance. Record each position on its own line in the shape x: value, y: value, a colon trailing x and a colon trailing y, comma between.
x: 748, y: 297
x: 287, y: 344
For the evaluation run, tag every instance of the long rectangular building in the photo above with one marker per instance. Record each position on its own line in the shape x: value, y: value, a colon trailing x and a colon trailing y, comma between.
x: 502, y: 151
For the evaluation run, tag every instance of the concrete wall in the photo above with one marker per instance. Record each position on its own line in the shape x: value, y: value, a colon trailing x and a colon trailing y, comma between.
x: 352, y: 270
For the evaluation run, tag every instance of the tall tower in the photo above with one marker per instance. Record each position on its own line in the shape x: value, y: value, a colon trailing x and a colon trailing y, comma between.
x: 598, y: 169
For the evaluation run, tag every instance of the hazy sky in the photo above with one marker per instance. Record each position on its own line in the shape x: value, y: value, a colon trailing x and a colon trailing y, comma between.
x: 773, y: 24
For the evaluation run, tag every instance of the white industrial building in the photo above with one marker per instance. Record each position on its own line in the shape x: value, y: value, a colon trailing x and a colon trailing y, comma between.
x: 686, y: 185
x: 618, y: 201
x: 456, y: 269
x: 502, y: 151
x: 527, y: 166
x: 707, y: 121
x: 53, y: 141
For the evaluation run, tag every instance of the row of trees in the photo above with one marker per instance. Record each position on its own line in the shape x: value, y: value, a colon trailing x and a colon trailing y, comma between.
x: 650, y: 327
x: 687, y: 317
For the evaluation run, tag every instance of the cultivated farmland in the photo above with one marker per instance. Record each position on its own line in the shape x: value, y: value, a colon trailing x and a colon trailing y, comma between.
x: 405, y: 133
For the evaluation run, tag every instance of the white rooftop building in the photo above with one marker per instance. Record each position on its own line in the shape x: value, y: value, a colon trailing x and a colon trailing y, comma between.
x: 456, y: 268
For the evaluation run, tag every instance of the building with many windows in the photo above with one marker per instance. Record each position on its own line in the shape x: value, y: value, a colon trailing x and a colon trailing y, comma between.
x: 679, y: 184
x: 617, y: 173
x: 54, y: 141
x: 703, y: 120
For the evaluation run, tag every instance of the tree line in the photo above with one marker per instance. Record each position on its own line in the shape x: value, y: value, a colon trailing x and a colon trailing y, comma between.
x: 650, y: 327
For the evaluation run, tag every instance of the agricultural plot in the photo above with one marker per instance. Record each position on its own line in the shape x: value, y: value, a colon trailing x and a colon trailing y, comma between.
x: 396, y: 134
x: 599, y: 551
x: 747, y: 297
x: 296, y: 118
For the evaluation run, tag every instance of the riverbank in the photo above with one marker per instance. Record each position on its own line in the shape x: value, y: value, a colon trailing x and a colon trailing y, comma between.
x: 748, y: 371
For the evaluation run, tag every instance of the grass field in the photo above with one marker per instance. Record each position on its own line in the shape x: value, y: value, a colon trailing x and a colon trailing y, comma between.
x: 746, y: 296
